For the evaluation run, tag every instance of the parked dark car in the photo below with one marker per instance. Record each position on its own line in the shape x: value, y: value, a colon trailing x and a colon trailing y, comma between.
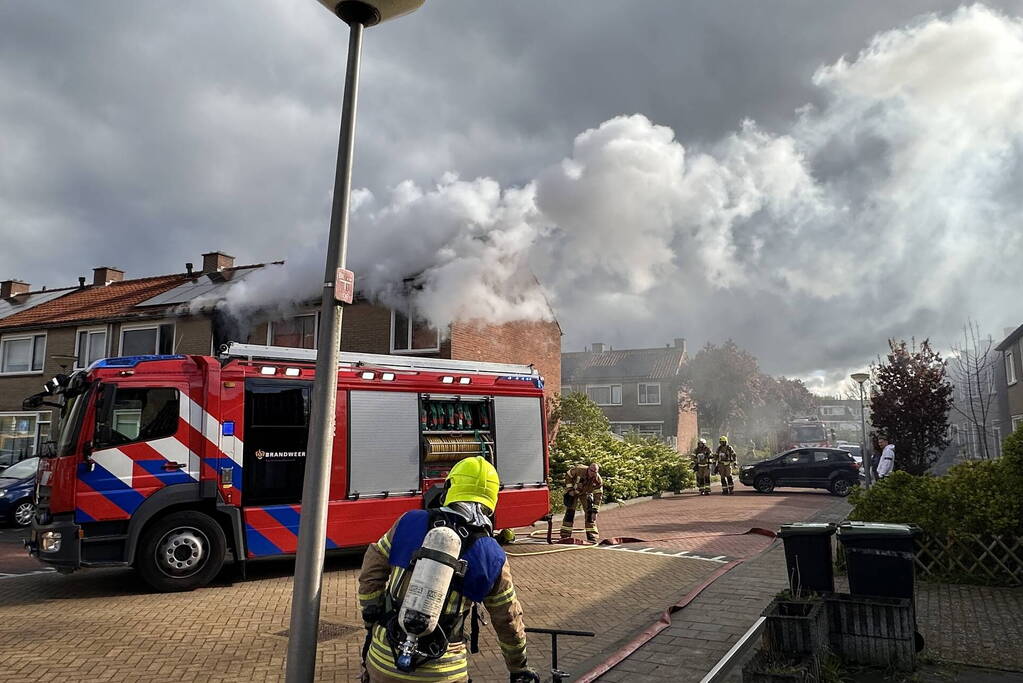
x: 17, y: 492
x: 815, y: 468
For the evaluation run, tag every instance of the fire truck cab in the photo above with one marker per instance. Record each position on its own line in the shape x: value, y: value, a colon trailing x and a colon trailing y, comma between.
x: 173, y: 463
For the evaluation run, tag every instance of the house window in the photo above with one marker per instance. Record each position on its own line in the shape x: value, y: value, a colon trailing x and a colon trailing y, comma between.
x: 18, y: 437
x: 1017, y: 422
x: 147, y: 340
x: 298, y: 332
x: 650, y: 394
x: 412, y: 336
x: 605, y: 394
x: 23, y: 354
x: 90, y: 346
x: 1010, y: 368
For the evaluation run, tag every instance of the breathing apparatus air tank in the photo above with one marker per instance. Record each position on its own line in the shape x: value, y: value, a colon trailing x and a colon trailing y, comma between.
x: 436, y: 564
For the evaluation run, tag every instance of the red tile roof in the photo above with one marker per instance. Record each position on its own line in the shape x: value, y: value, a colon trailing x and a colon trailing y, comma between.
x: 114, y: 301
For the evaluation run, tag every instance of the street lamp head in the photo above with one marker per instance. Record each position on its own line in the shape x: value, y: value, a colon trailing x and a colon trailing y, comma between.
x: 371, y: 12
x: 860, y: 377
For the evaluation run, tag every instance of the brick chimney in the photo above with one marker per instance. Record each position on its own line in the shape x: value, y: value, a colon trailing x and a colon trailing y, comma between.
x: 680, y: 343
x: 216, y: 261
x: 597, y: 347
x: 104, y: 275
x: 12, y: 288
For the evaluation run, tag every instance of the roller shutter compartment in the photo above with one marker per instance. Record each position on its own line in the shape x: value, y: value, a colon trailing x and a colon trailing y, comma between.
x: 519, y: 440
x: 383, y: 443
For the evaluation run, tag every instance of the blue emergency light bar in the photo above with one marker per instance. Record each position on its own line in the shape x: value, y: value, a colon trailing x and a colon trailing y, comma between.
x: 131, y: 361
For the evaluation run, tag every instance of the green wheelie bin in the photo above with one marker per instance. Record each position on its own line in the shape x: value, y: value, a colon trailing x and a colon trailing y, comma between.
x: 808, y: 556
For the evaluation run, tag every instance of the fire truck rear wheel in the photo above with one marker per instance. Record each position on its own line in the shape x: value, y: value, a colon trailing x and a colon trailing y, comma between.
x: 181, y: 552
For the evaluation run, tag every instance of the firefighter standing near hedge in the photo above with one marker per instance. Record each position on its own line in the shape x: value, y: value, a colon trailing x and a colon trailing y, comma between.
x: 583, y: 483
x: 470, y: 499
x: 703, y: 461
x: 726, y: 459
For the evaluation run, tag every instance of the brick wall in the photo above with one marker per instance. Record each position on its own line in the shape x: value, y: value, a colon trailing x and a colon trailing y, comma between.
x: 60, y: 351
x: 366, y: 328
x: 688, y: 427
x: 193, y: 336
x: 526, y: 342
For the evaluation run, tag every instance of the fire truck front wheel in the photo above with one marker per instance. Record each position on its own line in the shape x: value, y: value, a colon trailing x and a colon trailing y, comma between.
x: 181, y: 552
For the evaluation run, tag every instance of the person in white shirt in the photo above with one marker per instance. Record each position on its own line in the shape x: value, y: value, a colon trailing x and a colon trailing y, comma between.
x: 887, y: 462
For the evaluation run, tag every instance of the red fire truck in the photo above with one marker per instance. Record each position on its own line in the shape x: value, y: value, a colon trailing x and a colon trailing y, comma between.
x: 170, y: 463
x: 804, y: 432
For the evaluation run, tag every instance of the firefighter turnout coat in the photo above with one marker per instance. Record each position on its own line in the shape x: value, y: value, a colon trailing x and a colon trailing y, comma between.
x: 384, y: 577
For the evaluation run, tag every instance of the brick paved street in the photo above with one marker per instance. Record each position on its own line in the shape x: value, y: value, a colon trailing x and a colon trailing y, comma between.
x: 702, y: 632
x: 104, y: 624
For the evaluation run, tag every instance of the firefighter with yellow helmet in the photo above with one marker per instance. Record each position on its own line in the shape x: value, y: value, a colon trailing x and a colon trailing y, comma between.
x: 726, y: 459
x: 418, y: 596
x: 703, y: 461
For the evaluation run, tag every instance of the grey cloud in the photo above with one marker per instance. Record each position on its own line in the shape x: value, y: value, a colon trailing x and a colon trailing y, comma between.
x: 143, y: 134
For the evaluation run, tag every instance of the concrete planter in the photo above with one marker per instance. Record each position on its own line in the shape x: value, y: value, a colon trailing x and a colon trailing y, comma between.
x: 796, y: 626
x: 769, y: 667
x: 872, y: 630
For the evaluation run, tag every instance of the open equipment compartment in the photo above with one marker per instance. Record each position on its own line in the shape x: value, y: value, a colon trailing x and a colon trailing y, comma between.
x: 452, y: 428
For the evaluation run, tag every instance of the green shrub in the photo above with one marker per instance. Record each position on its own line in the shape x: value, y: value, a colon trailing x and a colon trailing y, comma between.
x: 980, y: 497
x: 637, y: 467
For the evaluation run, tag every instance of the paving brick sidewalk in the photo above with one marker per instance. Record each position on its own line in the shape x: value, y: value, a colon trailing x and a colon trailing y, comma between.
x: 701, y: 633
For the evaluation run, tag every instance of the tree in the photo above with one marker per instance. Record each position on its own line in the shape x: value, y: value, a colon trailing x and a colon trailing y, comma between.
x: 909, y: 403
x: 577, y: 413
x: 724, y: 381
x: 972, y: 373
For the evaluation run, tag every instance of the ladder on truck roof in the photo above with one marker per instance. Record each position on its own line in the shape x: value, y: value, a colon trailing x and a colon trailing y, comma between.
x: 376, y: 360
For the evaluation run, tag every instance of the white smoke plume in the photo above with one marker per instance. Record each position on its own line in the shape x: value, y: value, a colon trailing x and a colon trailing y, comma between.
x: 903, y: 188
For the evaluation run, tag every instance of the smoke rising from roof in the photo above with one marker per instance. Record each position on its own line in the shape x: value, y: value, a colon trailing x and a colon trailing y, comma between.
x: 885, y: 205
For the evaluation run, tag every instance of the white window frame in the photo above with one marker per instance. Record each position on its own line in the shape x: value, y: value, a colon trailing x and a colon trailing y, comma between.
x: 1017, y: 420
x: 409, y: 351
x: 41, y: 417
x: 610, y: 392
x: 316, y: 327
x: 1010, y: 368
x: 31, y: 354
x: 639, y: 393
x: 148, y: 326
x: 91, y: 331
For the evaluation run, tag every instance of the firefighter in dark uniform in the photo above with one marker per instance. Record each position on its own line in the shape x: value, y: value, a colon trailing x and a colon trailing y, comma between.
x: 727, y: 459
x: 702, y: 463
x: 583, y: 484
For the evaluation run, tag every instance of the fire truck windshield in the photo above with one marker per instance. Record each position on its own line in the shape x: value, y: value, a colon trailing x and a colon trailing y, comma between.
x: 70, y: 422
x: 809, y: 433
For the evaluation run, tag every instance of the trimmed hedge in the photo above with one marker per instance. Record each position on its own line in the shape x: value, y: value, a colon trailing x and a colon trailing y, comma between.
x: 631, y: 468
x: 982, y: 497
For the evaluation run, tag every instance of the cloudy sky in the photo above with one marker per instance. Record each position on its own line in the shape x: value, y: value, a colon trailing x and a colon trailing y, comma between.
x: 805, y: 177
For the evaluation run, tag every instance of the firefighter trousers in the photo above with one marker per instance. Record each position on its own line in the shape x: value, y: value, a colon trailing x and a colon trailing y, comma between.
x: 703, y: 478
x: 590, y: 503
x: 727, y: 483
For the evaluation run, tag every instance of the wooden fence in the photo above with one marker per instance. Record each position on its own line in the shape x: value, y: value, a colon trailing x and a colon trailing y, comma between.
x: 971, y: 558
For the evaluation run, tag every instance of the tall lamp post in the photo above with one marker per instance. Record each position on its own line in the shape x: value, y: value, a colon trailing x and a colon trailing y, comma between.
x: 337, y: 289
x: 867, y: 459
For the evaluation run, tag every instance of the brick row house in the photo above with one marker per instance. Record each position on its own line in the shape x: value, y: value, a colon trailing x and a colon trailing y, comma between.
x: 639, y: 390
x: 46, y: 332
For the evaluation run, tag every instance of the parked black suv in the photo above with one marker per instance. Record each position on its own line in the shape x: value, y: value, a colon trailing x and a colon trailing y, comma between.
x: 815, y: 468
